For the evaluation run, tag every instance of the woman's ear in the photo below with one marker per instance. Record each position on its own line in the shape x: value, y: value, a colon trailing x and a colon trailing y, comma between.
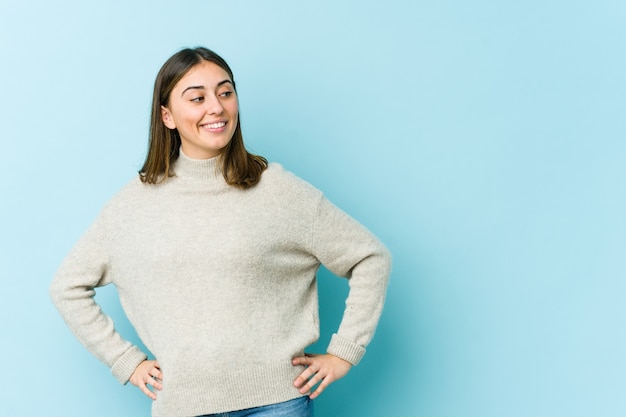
x: 166, y: 116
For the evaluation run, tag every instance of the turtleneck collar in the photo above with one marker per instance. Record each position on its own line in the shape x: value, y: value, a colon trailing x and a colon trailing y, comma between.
x: 201, y: 170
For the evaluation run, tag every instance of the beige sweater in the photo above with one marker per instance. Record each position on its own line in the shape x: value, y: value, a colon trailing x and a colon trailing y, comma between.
x: 219, y: 284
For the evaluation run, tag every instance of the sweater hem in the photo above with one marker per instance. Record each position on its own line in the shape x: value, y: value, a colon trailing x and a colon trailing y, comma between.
x: 210, y: 392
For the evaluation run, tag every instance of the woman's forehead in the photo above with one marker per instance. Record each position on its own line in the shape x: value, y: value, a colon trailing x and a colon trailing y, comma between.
x: 205, y: 72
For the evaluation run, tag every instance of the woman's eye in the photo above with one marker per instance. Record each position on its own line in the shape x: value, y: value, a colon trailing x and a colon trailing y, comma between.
x: 226, y: 94
x: 198, y: 99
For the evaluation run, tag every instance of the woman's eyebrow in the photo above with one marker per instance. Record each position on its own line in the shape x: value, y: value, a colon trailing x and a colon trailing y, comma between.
x: 224, y: 82
x: 192, y: 87
x: 201, y: 87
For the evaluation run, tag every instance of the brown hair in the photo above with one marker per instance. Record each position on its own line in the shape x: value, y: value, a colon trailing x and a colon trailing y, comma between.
x: 239, y: 167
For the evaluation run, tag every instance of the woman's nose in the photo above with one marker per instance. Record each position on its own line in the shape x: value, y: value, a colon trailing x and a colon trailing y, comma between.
x: 213, y: 106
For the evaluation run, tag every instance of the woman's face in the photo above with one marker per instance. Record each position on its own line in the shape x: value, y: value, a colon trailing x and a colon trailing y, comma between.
x: 203, y: 107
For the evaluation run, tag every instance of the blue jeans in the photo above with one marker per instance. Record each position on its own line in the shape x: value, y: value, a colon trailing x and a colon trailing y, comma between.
x: 299, y: 407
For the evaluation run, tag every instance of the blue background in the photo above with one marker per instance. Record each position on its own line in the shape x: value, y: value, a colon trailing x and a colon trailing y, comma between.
x: 483, y: 141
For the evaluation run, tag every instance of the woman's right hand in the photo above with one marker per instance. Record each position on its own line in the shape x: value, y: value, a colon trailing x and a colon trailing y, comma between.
x: 147, y: 373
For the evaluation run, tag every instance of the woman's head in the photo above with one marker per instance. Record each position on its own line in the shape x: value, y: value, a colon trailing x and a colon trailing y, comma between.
x: 195, y: 106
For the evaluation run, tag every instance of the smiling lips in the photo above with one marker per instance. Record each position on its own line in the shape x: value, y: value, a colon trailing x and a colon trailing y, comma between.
x: 214, y: 126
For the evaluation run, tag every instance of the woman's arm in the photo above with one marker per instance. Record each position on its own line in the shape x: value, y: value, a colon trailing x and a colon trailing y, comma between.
x: 349, y: 250
x: 72, y: 292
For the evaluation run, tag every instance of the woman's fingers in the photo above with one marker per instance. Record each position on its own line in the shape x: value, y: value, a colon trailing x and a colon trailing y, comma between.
x: 306, y: 374
x: 320, y: 369
x: 156, y: 374
x: 148, y: 373
x: 144, y: 388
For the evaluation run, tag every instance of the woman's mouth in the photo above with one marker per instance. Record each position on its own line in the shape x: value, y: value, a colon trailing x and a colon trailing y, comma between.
x: 217, y: 126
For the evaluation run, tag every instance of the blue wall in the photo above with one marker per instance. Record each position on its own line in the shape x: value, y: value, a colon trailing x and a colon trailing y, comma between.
x: 480, y: 140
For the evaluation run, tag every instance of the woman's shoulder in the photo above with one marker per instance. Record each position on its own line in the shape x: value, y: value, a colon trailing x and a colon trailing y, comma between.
x: 282, y: 180
x: 134, y: 191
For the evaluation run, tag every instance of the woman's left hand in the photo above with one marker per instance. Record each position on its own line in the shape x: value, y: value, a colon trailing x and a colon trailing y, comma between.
x: 323, y: 369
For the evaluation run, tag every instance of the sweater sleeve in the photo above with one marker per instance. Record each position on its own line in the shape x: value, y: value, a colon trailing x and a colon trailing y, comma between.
x: 349, y: 250
x: 72, y: 291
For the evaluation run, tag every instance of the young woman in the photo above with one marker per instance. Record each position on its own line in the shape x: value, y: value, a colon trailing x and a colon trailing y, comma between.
x: 214, y: 253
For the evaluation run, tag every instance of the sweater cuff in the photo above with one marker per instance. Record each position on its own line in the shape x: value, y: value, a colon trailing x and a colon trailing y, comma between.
x: 124, y: 367
x: 345, y: 349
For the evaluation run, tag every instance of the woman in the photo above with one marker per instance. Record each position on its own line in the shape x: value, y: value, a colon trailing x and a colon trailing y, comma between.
x: 214, y: 254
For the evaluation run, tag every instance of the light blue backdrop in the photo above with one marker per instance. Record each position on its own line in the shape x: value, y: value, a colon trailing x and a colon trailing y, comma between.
x: 483, y: 141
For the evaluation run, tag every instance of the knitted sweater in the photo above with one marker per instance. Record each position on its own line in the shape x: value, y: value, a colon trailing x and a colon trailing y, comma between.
x: 219, y: 284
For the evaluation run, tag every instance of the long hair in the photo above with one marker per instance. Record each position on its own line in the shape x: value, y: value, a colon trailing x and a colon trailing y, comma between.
x: 239, y: 167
